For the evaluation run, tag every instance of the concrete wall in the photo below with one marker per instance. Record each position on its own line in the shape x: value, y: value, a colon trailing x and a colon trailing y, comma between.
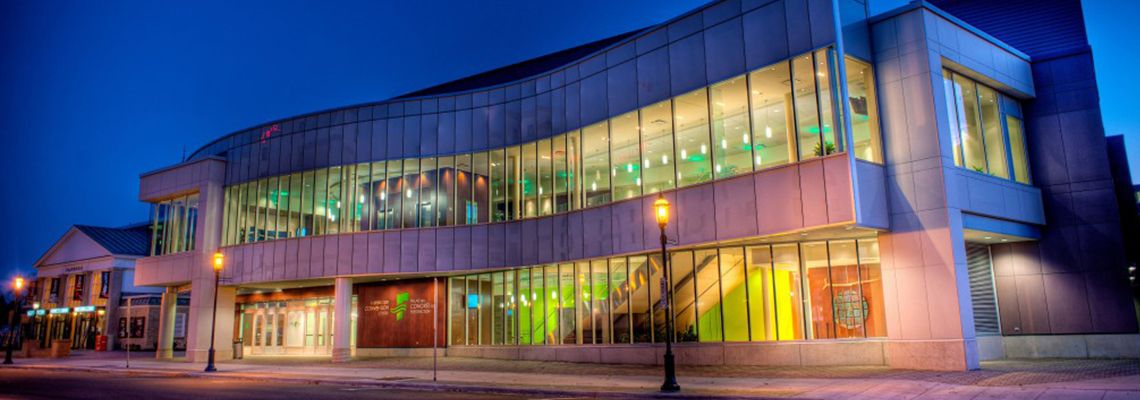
x: 929, y: 314
x: 832, y: 352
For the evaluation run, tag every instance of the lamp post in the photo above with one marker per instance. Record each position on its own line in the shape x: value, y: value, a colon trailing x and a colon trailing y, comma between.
x: 14, y: 329
x: 218, y: 260
x: 661, y: 211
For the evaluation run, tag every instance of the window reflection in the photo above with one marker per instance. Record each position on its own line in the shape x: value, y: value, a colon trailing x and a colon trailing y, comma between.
x: 987, y: 134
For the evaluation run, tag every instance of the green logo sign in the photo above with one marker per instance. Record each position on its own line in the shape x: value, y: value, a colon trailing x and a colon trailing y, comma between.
x: 400, y: 306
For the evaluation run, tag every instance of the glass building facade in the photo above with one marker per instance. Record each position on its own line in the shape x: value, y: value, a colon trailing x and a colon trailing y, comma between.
x: 792, y: 291
x: 779, y: 114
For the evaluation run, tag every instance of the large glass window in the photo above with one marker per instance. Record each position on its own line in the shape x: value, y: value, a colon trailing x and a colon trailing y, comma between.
x: 827, y: 116
x: 498, y: 185
x: 574, y: 169
x: 807, y: 110
x: 479, y: 211
x: 428, y: 184
x: 991, y: 130
x: 560, y: 174
x: 379, y: 195
x: 657, y: 147
x: 641, y: 270
x: 334, y: 201
x: 691, y: 117
x: 772, y: 129
x: 987, y: 134
x: 596, y: 163
x: 732, y: 139
x: 464, y: 179
x: 445, y: 193
x: 526, y: 302
x: 528, y: 185
x: 620, y: 296
x: 514, y: 183
x: 545, y: 182
x: 600, y: 299
x: 625, y: 150
x: 793, y: 291
x: 411, y: 193
x: 710, y: 323
x: 567, y: 310
x: 735, y: 303
x: 864, y: 109
x: 174, y: 225
x: 395, y: 196
x: 1017, y: 149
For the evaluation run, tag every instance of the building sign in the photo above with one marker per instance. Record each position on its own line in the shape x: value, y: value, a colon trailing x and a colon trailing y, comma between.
x: 105, y: 284
x: 53, y: 297
x: 399, y: 314
x: 85, y: 309
x: 73, y: 269
x: 77, y: 294
x: 122, y: 328
x: 60, y: 310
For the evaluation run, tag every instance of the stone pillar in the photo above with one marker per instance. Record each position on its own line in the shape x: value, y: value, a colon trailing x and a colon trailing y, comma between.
x: 200, y: 317
x: 342, y: 320
x: 167, y: 312
x: 111, y: 319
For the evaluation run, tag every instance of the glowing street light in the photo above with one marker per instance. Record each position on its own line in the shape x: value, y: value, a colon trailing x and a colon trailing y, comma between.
x: 661, y: 213
x: 14, y: 328
x: 219, y: 260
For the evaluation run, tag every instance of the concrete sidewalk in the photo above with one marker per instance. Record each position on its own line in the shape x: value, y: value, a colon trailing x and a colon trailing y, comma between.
x: 553, y: 379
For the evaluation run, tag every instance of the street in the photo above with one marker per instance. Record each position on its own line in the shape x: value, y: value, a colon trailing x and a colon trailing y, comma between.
x: 32, y: 384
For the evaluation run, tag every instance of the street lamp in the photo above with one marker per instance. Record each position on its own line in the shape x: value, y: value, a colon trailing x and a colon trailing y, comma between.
x: 14, y: 329
x: 219, y: 259
x: 661, y: 212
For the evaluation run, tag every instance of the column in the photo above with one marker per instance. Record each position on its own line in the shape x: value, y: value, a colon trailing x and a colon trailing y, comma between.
x: 166, y: 315
x: 342, y: 320
x: 200, y: 317
x: 111, y: 319
x: 930, y: 320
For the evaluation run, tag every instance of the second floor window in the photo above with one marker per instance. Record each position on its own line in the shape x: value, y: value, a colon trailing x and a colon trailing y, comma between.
x: 986, y: 129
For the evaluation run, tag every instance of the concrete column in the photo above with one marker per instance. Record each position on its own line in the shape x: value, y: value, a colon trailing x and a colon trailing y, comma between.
x: 342, y: 320
x: 200, y: 316
x: 930, y: 321
x: 111, y: 319
x: 167, y: 312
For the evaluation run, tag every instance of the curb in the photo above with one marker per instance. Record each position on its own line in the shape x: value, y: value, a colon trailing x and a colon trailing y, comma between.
x: 420, y: 386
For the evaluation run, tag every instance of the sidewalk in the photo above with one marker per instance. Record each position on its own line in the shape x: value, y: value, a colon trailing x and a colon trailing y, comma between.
x: 1007, y: 379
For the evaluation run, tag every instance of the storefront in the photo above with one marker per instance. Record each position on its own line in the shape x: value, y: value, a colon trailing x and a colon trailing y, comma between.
x: 290, y: 322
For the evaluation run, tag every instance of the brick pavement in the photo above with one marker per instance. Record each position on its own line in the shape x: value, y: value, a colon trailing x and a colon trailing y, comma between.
x: 993, y: 373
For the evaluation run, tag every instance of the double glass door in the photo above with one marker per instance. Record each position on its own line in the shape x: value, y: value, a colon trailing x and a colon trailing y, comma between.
x: 296, y: 327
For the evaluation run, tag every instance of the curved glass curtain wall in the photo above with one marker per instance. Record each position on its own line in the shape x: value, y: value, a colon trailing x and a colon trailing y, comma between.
x: 773, y: 116
x: 793, y: 291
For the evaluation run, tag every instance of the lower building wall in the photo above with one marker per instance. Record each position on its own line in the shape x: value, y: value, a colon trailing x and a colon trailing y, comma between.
x: 861, y: 352
x: 1072, y: 346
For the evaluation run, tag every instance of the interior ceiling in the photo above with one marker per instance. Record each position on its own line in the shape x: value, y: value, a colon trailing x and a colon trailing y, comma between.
x: 976, y: 236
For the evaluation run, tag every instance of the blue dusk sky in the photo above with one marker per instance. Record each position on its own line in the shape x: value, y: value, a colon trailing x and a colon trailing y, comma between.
x: 94, y: 93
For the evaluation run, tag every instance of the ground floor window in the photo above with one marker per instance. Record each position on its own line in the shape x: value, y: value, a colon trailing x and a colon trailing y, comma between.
x: 794, y: 291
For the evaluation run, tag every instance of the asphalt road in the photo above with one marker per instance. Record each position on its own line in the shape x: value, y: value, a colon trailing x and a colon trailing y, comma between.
x: 19, y: 384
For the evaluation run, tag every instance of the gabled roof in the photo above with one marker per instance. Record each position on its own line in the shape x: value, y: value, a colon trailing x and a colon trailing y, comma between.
x: 132, y: 241
x: 82, y: 242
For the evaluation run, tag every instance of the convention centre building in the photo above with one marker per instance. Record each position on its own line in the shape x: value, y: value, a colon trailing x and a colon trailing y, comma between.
x: 925, y: 188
